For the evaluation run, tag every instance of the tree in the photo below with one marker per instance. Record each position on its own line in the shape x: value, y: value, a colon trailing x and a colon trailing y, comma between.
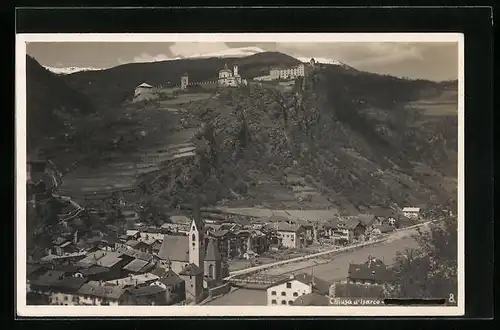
x: 431, y: 270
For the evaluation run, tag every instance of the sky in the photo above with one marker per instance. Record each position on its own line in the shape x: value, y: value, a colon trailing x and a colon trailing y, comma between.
x: 431, y: 60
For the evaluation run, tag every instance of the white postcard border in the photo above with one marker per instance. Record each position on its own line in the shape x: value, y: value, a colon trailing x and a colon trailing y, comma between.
x: 200, y: 311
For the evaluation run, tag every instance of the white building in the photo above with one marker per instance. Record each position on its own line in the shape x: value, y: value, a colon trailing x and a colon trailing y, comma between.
x: 230, y: 78
x: 411, y: 212
x: 287, y: 291
x: 144, y: 92
x: 288, y: 73
x: 290, y: 236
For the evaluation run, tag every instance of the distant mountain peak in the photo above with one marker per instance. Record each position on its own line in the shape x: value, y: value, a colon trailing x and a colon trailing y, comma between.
x: 69, y: 70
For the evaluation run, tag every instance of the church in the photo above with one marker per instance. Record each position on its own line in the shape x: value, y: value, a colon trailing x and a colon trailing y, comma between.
x: 230, y: 78
x: 194, y: 258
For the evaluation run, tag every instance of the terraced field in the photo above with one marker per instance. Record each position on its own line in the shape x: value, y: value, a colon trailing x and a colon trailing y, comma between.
x: 161, y: 140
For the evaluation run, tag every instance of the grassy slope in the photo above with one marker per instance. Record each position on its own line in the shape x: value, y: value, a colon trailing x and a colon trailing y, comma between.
x: 50, y: 103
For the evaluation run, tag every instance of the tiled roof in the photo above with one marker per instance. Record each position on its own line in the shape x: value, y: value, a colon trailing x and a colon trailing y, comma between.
x: 97, y: 289
x: 212, y: 253
x: 70, y: 283
x: 219, y: 233
x: 132, y: 243
x: 136, y: 265
x: 373, y: 269
x: 146, y: 290
x: 49, y: 278
x: 133, y: 253
x: 191, y: 270
x: 349, y: 222
x: 171, y: 278
x: 366, y: 219
x: 175, y: 248
x: 311, y: 299
x: 134, y: 280
x: 94, y: 271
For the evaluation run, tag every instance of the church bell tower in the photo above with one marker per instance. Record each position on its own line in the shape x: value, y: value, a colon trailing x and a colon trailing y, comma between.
x: 197, y: 239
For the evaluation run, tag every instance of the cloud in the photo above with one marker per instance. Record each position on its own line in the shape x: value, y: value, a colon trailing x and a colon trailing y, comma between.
x: 144, y: 57
x: 188, y: 49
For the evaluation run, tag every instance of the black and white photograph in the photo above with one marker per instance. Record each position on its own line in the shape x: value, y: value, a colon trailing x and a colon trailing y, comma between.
x: 240, y: 174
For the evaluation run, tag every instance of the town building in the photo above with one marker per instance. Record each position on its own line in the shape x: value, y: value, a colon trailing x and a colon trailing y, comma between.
x: 151, y: 295
x: 100, y: 294
x: 373, y: 271
x: 285, y: 292
x: 412, y: 212
x: 173, y: 284
x: 144, y: 92
x: 290, y: 236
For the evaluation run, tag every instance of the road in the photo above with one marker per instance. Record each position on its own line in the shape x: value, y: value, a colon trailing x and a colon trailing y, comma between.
x: 336, y: 269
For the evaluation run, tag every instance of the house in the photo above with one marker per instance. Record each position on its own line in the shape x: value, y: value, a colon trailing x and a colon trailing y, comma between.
x: 226, y: 242
x: 65, y: 291
x: 140, y: 245
x: 374, y: 271
x: 286, y: 291
x: 411, y: 212
x: 101, y: 294
x: 368, y: 220
x: 144, y: 92
x: 58, y: 288
x: 383, y: 215
x: 290, y: 235
x: 150, y: 295
x: 173, y: 284
x: 112, y: 260
x: 349, y: 229
x: 62, y: 246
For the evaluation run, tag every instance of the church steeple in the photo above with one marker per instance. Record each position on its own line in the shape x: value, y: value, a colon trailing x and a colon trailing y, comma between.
x: 197, y: 238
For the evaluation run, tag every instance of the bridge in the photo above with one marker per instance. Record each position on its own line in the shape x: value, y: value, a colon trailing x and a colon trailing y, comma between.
x: 256, y: 281
x: 256, y: 278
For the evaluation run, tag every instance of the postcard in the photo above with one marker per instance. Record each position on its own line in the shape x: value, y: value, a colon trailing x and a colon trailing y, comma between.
x: 309, y: 174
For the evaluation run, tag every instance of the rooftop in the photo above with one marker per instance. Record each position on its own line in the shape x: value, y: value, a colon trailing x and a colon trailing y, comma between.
x: 146, y: 290
x: 174, y: 248
x: 98, y: 289
x: 136, y: 265
x: 134, y: 280
x: 374, y: 269
x: 191, y: 270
